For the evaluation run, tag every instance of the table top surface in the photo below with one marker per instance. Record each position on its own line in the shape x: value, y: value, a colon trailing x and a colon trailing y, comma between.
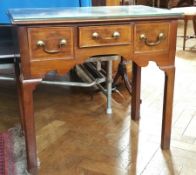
x: 185, y: 10
x: 85, y: 13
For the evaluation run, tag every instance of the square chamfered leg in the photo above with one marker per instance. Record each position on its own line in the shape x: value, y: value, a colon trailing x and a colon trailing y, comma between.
x: 136, y: 88
x: 167, y: 106
x: 26, y: 102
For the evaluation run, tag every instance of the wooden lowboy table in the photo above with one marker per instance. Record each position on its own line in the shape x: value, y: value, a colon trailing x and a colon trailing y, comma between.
x: 59, y: 38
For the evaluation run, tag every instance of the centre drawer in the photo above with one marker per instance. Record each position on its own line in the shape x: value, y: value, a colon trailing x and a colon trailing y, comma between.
x: 94, y: 36
x: 47, y: 43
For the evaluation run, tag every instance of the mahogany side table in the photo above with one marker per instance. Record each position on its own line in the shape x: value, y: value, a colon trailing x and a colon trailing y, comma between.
x: 59, y: 38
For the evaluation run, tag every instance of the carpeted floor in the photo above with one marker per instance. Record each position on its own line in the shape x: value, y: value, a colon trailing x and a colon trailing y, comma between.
x: 6, y: 155
x: 12, y: 152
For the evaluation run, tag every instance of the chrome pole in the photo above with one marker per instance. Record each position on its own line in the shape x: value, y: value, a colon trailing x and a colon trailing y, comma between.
x: 7, y: 78
x: 68, y: 83
x: 109, y: 87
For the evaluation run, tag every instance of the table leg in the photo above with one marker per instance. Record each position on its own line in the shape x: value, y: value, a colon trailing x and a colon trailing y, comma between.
x: 109, y: 87
x: 19, y: 90
x: 185, y: 31
x: 136, y: 86
x: 167, y: 106
x: 194, y: 25
x: 27, y: 88
x: 122, y: 72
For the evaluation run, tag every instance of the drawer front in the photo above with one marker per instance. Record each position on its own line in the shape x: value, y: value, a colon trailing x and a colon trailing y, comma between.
x: 151, y: 38
x: 51, y: 43
x: 104, y: 35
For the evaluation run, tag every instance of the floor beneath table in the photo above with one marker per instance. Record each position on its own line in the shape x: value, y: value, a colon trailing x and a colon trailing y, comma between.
x: 76, y: 137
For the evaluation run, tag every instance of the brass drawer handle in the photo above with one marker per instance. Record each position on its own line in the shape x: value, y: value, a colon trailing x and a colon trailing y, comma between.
x: 116, y: 35
x: 160, y: 37
x: 97, y: 36
x: 42, y: 44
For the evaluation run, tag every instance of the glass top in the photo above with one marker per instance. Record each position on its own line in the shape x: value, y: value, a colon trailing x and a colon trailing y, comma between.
x: 106, y: 12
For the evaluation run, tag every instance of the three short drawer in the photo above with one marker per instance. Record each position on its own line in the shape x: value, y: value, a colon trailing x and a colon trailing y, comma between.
x: 108, y: 35
x: 59, y: 43
x: 151, y: 38
x: 51, y: 42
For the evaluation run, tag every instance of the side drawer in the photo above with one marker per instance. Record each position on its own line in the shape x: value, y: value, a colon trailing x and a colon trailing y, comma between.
x: 109, y: 35
x: 151, y: 38
x: 51, y: 43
